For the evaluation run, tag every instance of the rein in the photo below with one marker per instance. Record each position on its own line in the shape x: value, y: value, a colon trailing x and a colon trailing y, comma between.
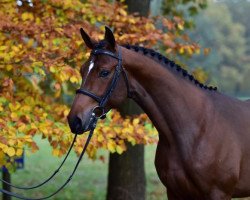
x: 48, y: 179
x: 94, y: 118
x: 66, y: 182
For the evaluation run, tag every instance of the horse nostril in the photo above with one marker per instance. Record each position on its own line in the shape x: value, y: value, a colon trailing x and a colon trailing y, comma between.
x: 78, y: 123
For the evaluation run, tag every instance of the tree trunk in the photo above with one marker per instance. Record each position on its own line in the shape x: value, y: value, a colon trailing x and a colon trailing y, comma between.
x: 6, y: 177
x: 138, y: 6
x: 126, y: 178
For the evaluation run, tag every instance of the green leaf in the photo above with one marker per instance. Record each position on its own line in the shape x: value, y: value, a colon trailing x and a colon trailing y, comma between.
x: 193, y: 10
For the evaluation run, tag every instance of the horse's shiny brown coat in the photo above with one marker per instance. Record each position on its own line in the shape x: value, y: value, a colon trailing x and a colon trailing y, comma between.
x: 204, y: 136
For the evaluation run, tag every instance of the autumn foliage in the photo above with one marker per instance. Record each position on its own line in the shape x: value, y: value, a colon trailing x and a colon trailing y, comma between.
x: 40, y: 56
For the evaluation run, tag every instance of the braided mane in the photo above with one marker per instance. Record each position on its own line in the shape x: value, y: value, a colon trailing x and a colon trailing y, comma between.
x: 165, y: 62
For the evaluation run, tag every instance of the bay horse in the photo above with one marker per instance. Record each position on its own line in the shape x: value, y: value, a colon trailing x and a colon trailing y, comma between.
x: 203, y: 151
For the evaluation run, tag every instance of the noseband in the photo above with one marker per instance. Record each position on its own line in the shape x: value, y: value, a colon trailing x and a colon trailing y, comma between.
x: 102, y: 100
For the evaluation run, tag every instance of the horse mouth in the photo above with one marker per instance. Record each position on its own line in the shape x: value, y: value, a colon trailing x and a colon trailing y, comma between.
x: 80, y: 129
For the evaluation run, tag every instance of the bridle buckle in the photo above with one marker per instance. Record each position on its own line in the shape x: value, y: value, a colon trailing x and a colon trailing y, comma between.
x: 99, y: 112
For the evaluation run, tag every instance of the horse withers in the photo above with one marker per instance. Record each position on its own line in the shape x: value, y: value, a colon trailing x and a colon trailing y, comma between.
x: 204, y: 136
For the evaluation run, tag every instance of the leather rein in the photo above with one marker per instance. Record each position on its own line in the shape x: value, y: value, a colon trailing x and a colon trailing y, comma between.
x: 102, y: 100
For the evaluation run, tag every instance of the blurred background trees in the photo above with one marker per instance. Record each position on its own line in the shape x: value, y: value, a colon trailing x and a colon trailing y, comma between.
x: 224, y: 28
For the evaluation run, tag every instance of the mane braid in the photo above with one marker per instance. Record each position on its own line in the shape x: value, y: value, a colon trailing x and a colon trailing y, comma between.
x: 163, y: 60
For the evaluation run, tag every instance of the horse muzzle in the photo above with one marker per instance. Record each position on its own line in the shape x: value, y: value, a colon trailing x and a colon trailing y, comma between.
x: 78, y: 125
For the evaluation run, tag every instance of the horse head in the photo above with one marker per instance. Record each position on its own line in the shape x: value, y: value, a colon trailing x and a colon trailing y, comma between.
x: 102, y: 86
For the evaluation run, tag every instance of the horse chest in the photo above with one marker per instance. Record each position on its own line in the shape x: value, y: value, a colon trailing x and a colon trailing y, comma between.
x: 172, y: 172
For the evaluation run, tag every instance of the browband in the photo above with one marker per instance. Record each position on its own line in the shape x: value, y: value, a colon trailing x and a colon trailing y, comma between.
x: 109, y: 53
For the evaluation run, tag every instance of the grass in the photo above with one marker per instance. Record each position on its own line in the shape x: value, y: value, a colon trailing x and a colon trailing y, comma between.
x: 89, y: 182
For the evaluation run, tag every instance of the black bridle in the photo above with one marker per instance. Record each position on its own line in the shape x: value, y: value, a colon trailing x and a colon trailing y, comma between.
x: 94, y: 118
x: 102, y: 100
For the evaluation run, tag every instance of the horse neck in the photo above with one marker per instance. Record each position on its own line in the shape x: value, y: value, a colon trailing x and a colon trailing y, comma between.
x: 175, y: 105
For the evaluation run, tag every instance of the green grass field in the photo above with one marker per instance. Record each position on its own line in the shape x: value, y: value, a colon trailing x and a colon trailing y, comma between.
x: 89, y: 182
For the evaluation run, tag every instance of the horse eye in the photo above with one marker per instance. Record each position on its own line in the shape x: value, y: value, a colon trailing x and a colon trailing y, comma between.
x: 104, y: 73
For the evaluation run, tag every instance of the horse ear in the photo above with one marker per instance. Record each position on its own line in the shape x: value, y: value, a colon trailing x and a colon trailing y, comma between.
x: 109, y: 37
x: 88, y: 41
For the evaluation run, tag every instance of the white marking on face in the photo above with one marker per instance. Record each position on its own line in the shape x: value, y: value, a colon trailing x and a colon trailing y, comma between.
x: 91, y: 66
